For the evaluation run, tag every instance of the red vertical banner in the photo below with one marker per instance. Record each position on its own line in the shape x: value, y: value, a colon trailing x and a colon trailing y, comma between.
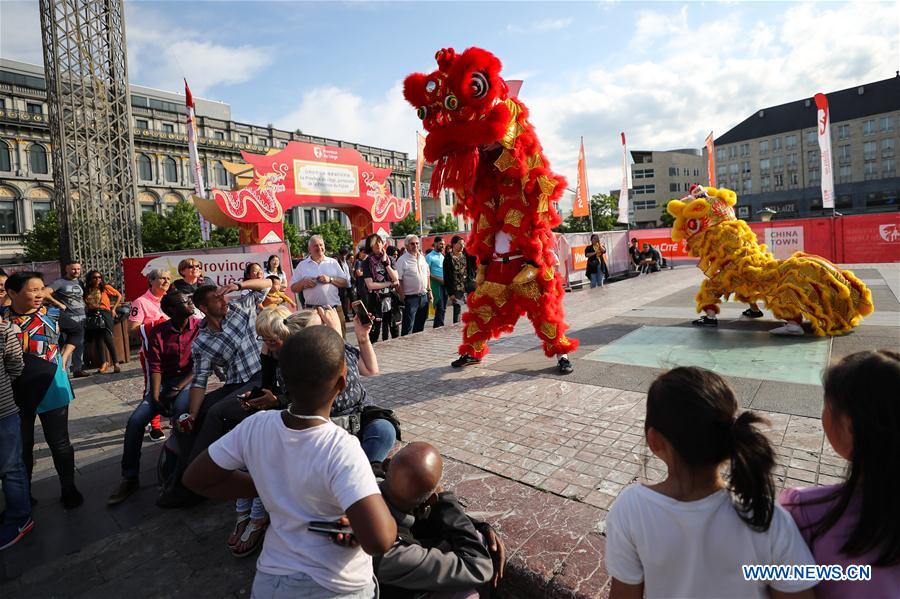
x: 582, y: 201
x: 711, y: 159
x: 420, y: 162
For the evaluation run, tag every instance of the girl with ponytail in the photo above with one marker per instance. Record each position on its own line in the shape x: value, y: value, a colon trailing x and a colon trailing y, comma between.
x: 858, y: 521
x: 689, y: 535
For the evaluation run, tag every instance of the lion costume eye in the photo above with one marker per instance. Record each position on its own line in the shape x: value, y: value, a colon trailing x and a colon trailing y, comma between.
x: 693, y: 225
x: 451, y: 103
x: 422, y: 112
x: 479, y: 85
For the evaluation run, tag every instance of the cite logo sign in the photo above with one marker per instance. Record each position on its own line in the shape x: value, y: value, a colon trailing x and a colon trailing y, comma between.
x: 889, y: 233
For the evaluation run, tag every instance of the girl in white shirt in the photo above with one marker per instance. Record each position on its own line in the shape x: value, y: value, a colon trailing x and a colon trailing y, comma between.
x: 689, y: 535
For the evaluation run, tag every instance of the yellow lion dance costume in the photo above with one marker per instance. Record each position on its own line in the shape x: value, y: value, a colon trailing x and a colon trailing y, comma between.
x: 803, y: 285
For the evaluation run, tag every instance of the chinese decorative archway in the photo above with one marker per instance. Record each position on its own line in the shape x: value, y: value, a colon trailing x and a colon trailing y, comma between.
x: 303, y: 174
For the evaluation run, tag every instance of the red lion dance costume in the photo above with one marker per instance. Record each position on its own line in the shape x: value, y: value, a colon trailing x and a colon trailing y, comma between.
x: 486, y: 151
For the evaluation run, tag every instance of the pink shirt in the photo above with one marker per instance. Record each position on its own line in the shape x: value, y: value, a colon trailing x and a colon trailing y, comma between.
x: 146, y: 309
x: 803, y: 506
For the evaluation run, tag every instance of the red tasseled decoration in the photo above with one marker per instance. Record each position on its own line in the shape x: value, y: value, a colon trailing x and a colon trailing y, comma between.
x: 455, y: 171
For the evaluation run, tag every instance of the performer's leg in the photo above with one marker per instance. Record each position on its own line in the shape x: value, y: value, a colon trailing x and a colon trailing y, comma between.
x: 546, y: 315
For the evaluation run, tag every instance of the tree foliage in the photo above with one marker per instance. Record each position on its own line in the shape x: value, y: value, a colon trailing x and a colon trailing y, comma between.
x: 292, y: 238
x: 405, y: 227
x: 605, y: 212
x: 223, y: 237
x: 178, y: 229
x: 42, y: 242
x: 446, y: 223
x: 667, y: 219
x: 333, y: 232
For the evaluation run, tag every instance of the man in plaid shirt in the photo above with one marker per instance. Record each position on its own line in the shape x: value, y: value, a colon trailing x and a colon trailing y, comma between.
x: 226, y: 345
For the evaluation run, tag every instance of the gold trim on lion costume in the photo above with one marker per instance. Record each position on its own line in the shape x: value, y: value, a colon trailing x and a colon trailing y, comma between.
x: 802, y: 286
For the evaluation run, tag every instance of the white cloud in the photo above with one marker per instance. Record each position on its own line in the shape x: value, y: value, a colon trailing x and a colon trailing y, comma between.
x: 539, y: 26
x: 710, y: 80
x: 387, y: 121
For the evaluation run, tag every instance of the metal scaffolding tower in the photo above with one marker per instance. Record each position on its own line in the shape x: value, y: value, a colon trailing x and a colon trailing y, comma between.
x: 90, y: 127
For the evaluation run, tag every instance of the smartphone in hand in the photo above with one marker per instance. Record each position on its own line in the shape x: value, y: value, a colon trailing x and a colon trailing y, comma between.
x: 361, y: 312
x: 329, y: 528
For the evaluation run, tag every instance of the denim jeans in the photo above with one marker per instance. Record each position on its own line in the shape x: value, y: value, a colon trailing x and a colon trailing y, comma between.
x: 415, y: 315
x: 13, y: 473
x: 457, y: 306
x: 300, y: 586
x: 377, y: 439
x: 440, y: 305
x: 71, y: 332
x: 142, y: 415
x: 596, y: 279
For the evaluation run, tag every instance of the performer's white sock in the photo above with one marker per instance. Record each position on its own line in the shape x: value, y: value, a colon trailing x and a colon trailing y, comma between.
x: 561, y: 356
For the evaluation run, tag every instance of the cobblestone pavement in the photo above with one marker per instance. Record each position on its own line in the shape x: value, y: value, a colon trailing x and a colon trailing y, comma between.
x: 540, y: 455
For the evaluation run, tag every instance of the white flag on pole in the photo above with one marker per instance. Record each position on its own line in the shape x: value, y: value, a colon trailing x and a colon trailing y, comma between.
x: 623, y: 194
x: 824, y: 127
x: 196, y: 168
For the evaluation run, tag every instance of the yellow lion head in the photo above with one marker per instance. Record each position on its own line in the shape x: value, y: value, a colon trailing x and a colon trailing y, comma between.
x: 705, y: 207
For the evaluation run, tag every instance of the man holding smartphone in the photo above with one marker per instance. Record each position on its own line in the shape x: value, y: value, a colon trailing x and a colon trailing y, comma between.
x: 320, y: 279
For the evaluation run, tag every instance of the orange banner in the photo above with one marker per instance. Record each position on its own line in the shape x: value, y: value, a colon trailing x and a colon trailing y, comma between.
x: 582, y: 199
x: 711, y: 159
x: 579, y: 260
x: 420, y: 162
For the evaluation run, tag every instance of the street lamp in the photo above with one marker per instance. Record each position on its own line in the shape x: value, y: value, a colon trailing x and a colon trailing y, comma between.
x: 766, y: 214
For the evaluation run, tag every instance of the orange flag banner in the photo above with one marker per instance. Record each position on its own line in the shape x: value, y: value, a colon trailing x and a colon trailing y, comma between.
x: 582, y: 198
x: 711, y: 159
x: 420, y: 162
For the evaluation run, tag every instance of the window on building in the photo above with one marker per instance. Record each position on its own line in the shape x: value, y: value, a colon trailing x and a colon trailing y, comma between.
x: 844, y: 153
x: 747, y: 186
x: 9, y: 224
x: 168, y: 128
x: 733, y: 169
x: 790, y: 142
x: 5, y: 161
x: 696, y: 172
x: 673, y: 171
x: 776, y: 144
x: 644, y: 204
x: 145, y: 208
x: 720, y: 154
x: 2, y: 104
x: 779, y: 181
x: 812, y: 137
x: 732, y: 152
x: 218, y: 135
x: 674, y: 186
x: 145, y: 168
x: 812, y: 157
x: 404, y: 189
x: 34, y: 108
x: 308, y: 218
x: 40, y: 209
x: 764, y: 165
x: 765, y: 182
x: 792, y: 160
x: 745, y: 149
x: 887, y: 147
x: 888, y: 168
x: 264, y: 142
x: 323, y: 217
x: 844, y: 174
x: 843, y: 131
x: 37, y: 159
x: 720, y: 172
x: 887, y: 123
x: 869, y: 127
x: 745, y: 167
x: 869, y: 150
x: 244, y: 139
x: 814, y: 176
x: 170, y: 168
x: 763, y: 146
x: 778, y: 163
x: 448, y: 197
x: 794, y: 178
x: 870, y: 169
x: 141, y: 124
x: 221, y: 175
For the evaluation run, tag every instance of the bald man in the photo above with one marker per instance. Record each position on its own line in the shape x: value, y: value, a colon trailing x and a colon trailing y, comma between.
x: 440, y: 551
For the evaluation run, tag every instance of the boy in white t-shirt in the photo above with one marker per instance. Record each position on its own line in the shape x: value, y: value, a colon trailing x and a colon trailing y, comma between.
x: 305, y: 469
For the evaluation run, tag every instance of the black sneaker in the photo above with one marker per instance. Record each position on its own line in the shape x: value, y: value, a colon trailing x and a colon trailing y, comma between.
x: 465, y: 360
x: 564, y: 366
x: 157, y: 435
x: 71, y: 497
x: 705, y: 321
x: 126, y: 489
x: 751, y: 313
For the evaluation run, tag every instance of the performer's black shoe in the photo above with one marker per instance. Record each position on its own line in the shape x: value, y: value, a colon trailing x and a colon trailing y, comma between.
x: 464, y: 360
x: 751, y: 313
x: 705, y: 321
x: 564, y: 366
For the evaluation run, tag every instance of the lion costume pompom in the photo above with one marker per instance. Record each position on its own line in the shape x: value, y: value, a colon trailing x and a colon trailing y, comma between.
x: 802, y: 286
x: 484, y: 149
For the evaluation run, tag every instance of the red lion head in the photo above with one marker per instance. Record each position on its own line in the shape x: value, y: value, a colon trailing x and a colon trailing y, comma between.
x: 461, y: 104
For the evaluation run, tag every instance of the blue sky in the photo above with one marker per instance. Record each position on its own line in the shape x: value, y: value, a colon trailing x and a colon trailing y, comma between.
x: 666, y: 72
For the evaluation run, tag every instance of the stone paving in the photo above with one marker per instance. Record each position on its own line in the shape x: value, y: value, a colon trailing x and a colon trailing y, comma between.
x: 539, y: 455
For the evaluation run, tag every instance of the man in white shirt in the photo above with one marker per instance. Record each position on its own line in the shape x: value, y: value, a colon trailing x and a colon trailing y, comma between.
x: 415, y: 290
x: 318, y: 278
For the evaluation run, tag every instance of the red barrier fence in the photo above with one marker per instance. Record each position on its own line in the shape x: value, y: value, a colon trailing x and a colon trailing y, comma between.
x: 843, y: 239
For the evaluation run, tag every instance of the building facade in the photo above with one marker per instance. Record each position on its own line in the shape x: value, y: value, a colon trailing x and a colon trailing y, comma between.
x: 161, y: 153
x: 772, y: 160
x: 659, y: 176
